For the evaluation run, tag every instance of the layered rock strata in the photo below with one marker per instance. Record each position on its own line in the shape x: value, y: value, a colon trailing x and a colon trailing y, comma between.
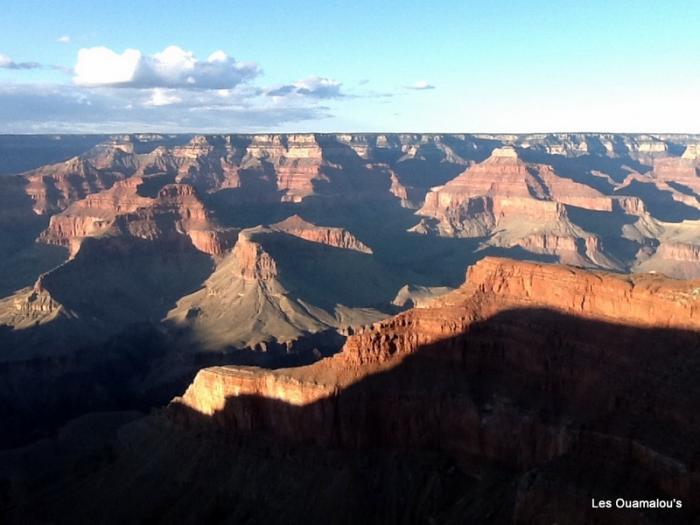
x: 526, y: 366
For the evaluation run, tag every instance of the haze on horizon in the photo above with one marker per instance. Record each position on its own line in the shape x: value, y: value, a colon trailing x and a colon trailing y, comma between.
x: 455, y: 66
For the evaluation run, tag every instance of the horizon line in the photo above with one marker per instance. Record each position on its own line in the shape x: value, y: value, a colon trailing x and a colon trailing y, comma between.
x: 215, y: 133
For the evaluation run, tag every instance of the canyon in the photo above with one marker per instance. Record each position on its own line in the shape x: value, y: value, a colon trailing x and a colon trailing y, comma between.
x: 259, y: 317
x: 500, y: 401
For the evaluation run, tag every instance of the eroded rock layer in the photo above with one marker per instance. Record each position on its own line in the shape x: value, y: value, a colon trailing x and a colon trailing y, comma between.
x: 122, y: 210
x: 555, y: 197
x: 528, y: 366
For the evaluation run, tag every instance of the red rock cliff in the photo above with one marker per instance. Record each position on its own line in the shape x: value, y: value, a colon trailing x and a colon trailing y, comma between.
x: 523, y: 364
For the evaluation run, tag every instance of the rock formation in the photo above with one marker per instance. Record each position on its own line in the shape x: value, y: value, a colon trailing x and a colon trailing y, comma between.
x: 282, y: 282
x: 493, y: 286
x: 518, y: 204
x: 515, y: 368
x: 134, y: 264
x: 620, y: 202
x: 175, y: 210
x: 336, y: 237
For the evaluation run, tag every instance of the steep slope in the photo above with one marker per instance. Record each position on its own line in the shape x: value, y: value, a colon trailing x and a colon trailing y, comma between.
x: 641, y: 221
x: 336, y: 237
x: 21, y: 259
x: 282, y: 282
x: 680, y: 170
x: 108, y: 284
x: 517, y: 398
x: 123, y: 210
x: 515, y: 368
x: 517, y: 204
x: 86, y: 335
x: 493, y: 286
x: 56, y: 186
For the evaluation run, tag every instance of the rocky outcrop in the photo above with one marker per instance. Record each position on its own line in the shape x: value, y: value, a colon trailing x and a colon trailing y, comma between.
x: 683, y: 170
x: 418, y: 296
x: 511, y: 203
x: 54, y: 187
x: 518, y: 205
x: 294, y: 166
x: 300, y: 167
x: 643, y: 148
x: 504, y: 186
x: 29, y: 308
x: 529, y: 390
x: 122, y: 210
x: 281, y: 283
x: 254, y: 263
x: 180, y: 203
x: 680, y: 251
x: 95, y: 214
x: 674, y: 257
x: 493, y: 286
x: 677, y: 169
x: 516, y: 368
x: 336, y: 237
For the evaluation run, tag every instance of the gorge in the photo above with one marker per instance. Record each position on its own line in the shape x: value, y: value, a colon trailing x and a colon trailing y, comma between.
x: 281, y: 323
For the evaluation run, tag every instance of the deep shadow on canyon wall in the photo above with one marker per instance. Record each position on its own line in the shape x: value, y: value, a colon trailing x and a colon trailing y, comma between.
x: 139, y: 368
x: 522, y: 419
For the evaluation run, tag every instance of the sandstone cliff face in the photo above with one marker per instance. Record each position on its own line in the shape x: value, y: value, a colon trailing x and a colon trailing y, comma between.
x: 181, y: 203
x: 94, y: 214
x: 676, y: 256
x: 52, y: 188
x: 644, y: 148
x: 299, y: 167
x: 293, y: 167
x: 518, y: 204
x: 29, y: 307
x: 679, y: 169
x: 122, y: 210
x: 513, y: 373
x: 336, y: 237
x: 512, y: 187
x: 254, y: 263
x: 280, y: 283
x: 496, y: 285
x: 514, y: 368
x: 511, y: 203
x: 273, y: 168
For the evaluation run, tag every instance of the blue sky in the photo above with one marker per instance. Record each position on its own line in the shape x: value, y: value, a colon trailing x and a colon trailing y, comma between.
x: 453, y: 66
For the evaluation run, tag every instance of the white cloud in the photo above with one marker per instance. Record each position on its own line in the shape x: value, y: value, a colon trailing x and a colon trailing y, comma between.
x: 64, y: 39
x: 162, y: 97
x: 313, y: 86
x: 171, y: 68
x: 421, y: 85
x: 101, y: 66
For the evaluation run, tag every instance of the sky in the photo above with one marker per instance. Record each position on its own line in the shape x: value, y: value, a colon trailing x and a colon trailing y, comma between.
x: 357, y: 66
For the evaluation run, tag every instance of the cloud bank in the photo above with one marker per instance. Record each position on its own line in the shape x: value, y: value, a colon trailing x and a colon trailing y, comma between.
x: 171, y: 68
x: 7, y: 63
x: 28, y: 108
x: 313, y: 86
x: 170, y: 91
